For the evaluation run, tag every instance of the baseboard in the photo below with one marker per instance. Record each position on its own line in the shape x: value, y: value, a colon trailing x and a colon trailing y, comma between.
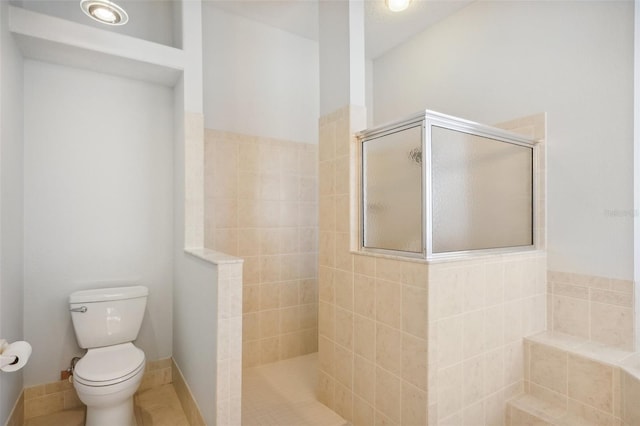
x: 49, y: 398
x: 188, y: 402
x: 16, y: 418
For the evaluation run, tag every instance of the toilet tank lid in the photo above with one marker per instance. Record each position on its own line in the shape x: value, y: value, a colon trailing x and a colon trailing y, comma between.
x: 106, y: 294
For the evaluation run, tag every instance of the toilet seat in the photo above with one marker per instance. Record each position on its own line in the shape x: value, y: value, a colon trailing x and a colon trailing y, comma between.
x: 109, y: 365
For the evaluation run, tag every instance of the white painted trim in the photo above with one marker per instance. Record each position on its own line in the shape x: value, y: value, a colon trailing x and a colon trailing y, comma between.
x: 56, y: 40
x: 636, y: 170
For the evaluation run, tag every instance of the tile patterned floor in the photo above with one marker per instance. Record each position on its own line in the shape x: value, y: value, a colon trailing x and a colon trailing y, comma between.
x: 283, y: 394
x: 153, y: 407
x: 278, y: 394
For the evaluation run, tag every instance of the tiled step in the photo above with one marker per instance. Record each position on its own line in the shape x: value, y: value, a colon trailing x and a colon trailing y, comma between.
x: 527, y: 410
x: 573, y: 382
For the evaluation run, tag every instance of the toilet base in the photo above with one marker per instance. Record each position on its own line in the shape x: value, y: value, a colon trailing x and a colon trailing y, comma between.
x: 121, y: 414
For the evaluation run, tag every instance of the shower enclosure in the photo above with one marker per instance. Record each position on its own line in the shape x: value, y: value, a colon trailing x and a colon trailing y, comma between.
x: 438, y: 186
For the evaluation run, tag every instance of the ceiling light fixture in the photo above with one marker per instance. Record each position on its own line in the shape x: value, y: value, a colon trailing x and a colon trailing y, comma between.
x: 104, y: 11
x: 397, y: 5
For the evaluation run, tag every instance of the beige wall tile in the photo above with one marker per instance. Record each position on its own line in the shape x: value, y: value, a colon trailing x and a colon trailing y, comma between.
x: 414, y: 311
x: 414, y: 274
x: 623, y: 286
x: 494, y: 368
x: 289, y: 294
x: 494, y: 410
x: 269, y: 349
x: 344, y: 366
x: 388, y: 302
x: 251, y: 326
x: 327, y: 217
x: 571, y: 316
x: 450, y: 293
x: 250, y: 298
x: 548, y: 367
x: 364, y: 337
x: 326, y: 320
x: 513, y: 321
x: 343, y: 401
x: 473, y: 334
x: 326, y: 289
x: 612, y: 325
x: 343, y: 282
x: 414, y: 361
x: 473, y: 378
x: 389, y: 348
x: 363, y: 414
x: 414, y: 405
x: 473, y: 288
x: 494, y: 327
x: 494, y: 283
x: 473, y: 414
x: 389, y: 269
x: 449, y: 396
x: 591, y: 383
x: 562, y: 289
x: 289, y: 320
x: 364, y: 379
x: 591, y: 414
x: 343, y: 251
x: 449, y: 341
x: 269, y: 296
x: 513, y: 363
x: 325, y: 388
x: 612, y: 297
x: 269, y: 323
x: 250, y: 353
x: 513, y: 278
x: 290, y: 345
x: 309, y: 316
x: 364, y: 265
x: 344, y: 328
x: 388, y: 394
x: 326, y: 356
x: 364, y: 289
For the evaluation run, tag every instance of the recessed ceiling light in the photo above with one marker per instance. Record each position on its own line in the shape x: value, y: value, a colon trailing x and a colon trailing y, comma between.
x: 104, y: 11
x: 397, y: 5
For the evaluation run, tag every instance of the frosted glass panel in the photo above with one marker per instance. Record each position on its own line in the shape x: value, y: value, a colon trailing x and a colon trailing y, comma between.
x: 392, y: 191
x: 481, y: 192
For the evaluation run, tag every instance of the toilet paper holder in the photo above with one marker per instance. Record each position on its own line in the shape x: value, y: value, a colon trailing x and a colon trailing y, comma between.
x: 6, y: 359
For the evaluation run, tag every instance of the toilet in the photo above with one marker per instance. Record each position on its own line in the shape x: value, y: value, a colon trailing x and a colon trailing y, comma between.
x: 106, y: 322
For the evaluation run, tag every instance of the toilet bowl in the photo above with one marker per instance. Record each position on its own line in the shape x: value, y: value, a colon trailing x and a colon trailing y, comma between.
x: 106, y: 322
x: 106, y: 379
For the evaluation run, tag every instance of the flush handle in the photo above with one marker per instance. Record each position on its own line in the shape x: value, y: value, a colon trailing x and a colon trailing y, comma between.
x: 81, y: 309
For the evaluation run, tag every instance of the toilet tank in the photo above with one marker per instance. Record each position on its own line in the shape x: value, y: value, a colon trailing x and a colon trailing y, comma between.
x: 107, y: 316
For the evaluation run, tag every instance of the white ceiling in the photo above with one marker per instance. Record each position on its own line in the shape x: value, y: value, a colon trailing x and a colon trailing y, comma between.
x: 383, y: 29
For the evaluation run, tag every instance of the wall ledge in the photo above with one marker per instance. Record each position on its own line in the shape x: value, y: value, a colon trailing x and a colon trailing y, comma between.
x: 212, y: 256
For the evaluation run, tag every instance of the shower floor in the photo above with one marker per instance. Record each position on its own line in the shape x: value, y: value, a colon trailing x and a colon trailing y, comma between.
x: 283, y: 394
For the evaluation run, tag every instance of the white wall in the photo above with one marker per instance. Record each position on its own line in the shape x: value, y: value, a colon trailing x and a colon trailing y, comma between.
x: 11, y: 222
x: 149, y: 20
x: 98, y: 204
x: 494, y: 61
x: 258, y: 80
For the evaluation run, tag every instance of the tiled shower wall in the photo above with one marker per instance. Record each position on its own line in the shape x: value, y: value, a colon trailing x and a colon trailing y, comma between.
x: 261, y: 205
x: 479, y: 312
x: 409, y: 343
x: 373, y: 311
x: 596, y: 308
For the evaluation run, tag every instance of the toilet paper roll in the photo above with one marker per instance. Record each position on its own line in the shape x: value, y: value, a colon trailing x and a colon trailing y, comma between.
x: 20, y: 349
